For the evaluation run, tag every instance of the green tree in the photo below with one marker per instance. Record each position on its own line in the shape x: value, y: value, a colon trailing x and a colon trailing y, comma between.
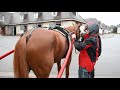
x: 114, y: 29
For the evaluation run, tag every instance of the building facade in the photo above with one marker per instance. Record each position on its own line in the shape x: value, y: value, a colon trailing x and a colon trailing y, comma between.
x: 118, y: 28
x: 102, y: 27
x: 20, y: 22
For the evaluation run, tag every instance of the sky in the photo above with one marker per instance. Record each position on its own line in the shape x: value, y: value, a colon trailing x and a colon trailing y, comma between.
x: 108, y: 18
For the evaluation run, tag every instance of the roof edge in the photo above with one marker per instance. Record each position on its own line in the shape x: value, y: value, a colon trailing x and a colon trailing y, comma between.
x: 46, y: 21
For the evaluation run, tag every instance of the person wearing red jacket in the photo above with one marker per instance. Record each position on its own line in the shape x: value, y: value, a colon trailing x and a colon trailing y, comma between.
x: 90, y: 50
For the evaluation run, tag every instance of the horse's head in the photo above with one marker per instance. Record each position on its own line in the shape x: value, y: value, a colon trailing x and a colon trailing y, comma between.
x: 75, y: 29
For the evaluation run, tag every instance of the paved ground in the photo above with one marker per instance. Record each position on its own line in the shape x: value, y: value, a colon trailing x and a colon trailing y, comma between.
x: 107, y: 66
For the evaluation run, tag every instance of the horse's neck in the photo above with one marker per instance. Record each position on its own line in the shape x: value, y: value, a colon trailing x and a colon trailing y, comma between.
x: 70, y: 28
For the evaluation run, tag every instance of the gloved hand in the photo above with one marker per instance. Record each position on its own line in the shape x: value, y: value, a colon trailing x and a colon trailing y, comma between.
x: 73, y: 36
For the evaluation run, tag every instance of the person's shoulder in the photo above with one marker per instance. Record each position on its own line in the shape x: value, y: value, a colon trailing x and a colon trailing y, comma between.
x: 92, y: 40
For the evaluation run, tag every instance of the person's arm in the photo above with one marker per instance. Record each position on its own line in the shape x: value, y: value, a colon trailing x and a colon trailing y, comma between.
x: 84, y: 45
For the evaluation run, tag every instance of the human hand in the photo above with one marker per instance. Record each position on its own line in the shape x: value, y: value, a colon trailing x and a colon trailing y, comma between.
x: 73, y: 36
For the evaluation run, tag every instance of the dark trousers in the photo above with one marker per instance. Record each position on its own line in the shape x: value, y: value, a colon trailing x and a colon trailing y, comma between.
x: 83, y: 73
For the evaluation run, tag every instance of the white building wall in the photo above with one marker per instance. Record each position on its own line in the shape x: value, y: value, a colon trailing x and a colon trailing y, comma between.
x: 100, y: 31
x: 30, y: 26
x: 67, y: 23
x: 118, y: 30
x: 8, y: 31
x: 106, y: 31
x: 63, y: 23
x: 45, y: 24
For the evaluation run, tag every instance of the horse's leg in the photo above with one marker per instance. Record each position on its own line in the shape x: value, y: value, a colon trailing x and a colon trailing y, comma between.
x: 67, y: 67
x: 42, y: 70
x: 59, y: 65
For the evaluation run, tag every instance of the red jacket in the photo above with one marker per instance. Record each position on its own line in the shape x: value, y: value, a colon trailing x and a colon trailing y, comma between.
x: 84, y: 59
x: 88, y: 52
x: 89, y: 47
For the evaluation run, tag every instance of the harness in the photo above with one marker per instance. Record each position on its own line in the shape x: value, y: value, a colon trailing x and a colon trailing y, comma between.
x: 63, y: 31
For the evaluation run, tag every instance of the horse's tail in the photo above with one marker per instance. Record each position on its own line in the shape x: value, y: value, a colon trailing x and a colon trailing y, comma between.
x: 20, y: 62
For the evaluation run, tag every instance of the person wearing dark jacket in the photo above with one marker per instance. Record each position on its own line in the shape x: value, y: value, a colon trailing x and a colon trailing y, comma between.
x: 90, y: 50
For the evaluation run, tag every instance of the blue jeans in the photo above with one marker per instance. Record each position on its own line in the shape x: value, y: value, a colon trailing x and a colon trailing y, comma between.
x: 83, y: 73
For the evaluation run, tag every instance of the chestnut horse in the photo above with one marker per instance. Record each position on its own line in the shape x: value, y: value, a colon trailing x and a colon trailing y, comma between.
x: 41, y: 51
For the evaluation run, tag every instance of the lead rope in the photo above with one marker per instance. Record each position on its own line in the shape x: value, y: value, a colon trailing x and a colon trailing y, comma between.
x: 73, y: 42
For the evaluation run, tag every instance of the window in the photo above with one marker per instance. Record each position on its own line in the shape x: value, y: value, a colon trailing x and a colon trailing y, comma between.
x: 1, y: 17
x: 35, y: 14
x: 21, y: 27
x: 76, y: 13
x: 39, y: 13
x: 58, y: 23
x: 25, y: 28
x: 21, y: 16
x: 39, y: 24
x: 54, y: 14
